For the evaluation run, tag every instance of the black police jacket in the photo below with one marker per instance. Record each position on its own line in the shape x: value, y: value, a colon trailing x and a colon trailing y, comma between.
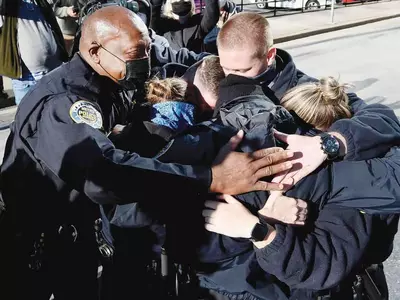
x: 59, y: 162
x: 339, y: 238
x: 229, y: 265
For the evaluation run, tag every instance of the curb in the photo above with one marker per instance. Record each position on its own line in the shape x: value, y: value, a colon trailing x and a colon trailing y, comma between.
x: 296, y: 36
x: 5, y: 111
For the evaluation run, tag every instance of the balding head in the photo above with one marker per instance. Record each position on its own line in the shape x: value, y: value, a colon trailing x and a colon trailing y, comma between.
x: 112, y: 36
x: 245, y: 44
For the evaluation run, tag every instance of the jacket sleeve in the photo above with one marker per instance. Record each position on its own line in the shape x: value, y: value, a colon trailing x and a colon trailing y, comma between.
x: 162, y: 54
x: 373, y: 185
x: 210, y: 17
x: 84, y: 158
x: 371, y: 132
x: 321, y: 255
x: 156, y: 6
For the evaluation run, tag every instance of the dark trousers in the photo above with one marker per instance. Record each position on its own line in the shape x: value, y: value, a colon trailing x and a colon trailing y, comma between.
x: 1, y: 84
x: 68, y: 271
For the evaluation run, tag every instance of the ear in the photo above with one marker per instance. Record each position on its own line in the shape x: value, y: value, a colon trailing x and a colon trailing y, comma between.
x: 94, y: 52
x: 271, y: 56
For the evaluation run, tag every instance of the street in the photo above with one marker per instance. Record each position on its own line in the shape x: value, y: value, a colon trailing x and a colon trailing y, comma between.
x: 366, y: 57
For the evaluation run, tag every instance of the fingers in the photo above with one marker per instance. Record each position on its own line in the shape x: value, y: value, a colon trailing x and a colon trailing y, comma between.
x: 301, y: 204
x: 265, y: 152
x: 207, y: 213
x: 281, y: 136
x: 229, y: 199
x: 210, y: 227
x: 213, y: 204
x: 273, y: 169
x: 271, y: 159
x: 267, y: 186
x: 235, y: 140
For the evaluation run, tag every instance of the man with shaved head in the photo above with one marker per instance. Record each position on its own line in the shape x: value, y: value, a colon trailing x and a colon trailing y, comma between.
x: 246, y: 48
x: 59, y: 163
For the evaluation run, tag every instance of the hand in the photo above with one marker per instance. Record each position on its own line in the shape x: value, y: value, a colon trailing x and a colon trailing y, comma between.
x: 230, y: 218
x: 237, y: 173
x: 223, y: 17
x: 308, y: 155
x: 71, y: 13
x: 285, y: 209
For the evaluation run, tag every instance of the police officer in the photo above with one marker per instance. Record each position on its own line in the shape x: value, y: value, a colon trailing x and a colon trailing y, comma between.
x: 59, y: 162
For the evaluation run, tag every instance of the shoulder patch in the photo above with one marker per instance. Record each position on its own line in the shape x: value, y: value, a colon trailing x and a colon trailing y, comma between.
x: 86, y: 112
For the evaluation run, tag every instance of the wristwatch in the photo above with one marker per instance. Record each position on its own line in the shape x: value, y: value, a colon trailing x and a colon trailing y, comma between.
x: 330, y: 145
x: 259, y: 233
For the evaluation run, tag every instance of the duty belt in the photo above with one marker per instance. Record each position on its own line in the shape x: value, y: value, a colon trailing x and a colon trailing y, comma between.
x: 67, y: 233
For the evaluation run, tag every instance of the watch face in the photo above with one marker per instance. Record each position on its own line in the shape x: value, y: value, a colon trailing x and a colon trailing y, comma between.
x: 331, y: 145
x: 259, y: 233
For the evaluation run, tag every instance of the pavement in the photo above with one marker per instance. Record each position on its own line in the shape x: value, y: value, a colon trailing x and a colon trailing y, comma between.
x: 291, y: 27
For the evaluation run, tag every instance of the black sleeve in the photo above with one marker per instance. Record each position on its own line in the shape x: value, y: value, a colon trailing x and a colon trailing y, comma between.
x: 86, y: 160
x: 162, y: 55
x: 371, y: 132
x: 156, y: 6
x: 321, y: 255
x: 373, y: 185
x: 210, y: 17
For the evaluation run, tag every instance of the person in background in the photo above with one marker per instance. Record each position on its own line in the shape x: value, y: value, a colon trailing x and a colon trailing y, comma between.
x: 179, y: 24
x: 67, y: 13
x: 33, y: 44
x: 3, y: 94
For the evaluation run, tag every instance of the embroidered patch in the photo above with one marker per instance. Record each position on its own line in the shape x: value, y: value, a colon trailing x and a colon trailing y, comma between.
x: 86, y: 112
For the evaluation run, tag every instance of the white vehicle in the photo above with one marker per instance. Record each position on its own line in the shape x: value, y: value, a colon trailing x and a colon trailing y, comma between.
x: 292, y: 4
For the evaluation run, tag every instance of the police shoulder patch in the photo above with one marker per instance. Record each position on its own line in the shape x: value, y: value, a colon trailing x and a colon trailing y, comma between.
x: 86, y: 112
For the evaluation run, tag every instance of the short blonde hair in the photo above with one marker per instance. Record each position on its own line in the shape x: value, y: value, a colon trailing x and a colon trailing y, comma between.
x: 167, y: 10
x: 210, y: 74
x: 168, y: 89
x: 246, y: 29
x: 318, y: 103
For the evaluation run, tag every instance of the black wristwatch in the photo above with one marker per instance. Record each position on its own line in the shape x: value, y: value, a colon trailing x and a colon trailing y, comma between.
x: 330, y: 145
x: 259, y: 233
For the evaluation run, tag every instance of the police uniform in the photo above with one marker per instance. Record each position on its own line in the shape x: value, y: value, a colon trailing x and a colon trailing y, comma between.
x: 59, y: 164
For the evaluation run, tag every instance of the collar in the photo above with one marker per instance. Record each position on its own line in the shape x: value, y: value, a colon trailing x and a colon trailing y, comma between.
x: 81, y: 74
x: 234, y: 87
x: 286, y: 74
x: 268, y: 76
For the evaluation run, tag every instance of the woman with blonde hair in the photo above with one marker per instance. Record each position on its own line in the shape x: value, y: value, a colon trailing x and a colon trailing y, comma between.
x: 318, y: 104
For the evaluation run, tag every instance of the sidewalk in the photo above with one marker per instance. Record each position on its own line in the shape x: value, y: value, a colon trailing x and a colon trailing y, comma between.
x: 290, y: 27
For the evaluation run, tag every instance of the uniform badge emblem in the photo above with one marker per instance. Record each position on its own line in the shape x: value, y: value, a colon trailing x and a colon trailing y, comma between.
x: 86, y: 112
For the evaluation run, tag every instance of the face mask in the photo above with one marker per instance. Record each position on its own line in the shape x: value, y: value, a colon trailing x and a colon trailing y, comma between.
x: 182, y: 8
x: 137, y: 71
x: 268, y: 75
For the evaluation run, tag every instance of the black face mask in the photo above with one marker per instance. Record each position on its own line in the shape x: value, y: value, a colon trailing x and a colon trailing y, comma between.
x: 137, y: 71
x: 182, y: 8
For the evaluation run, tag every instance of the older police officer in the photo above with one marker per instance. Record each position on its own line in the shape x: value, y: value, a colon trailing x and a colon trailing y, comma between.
x: 59, y: 162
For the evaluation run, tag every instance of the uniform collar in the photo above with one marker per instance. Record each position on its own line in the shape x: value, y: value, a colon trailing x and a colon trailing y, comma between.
x: 82, y: 74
